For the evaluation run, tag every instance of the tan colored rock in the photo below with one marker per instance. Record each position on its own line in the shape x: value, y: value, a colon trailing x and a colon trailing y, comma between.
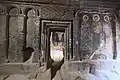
x: 18, y: 77
x: 57, y: 76
x: 3, y: 77
x: 44, y: 76
x: 64, y: 71
x: 35, y: 76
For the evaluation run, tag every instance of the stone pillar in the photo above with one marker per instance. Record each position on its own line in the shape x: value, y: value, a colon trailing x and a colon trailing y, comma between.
x: 15, y: 38
x: 37, y: 40
x: 3, y: 46
x: 76, y: 38
x: 33, y: 36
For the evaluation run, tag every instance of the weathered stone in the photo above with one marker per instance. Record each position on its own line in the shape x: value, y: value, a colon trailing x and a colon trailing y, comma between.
x: 3, y: 77
x: 18, y: 77
x: 57, y: 76
x: 2, y: 38
x: 18, y: 68
x: 16, y: 28
x: 15, y: 39
x: 56, y: 12
x: 44, y: 76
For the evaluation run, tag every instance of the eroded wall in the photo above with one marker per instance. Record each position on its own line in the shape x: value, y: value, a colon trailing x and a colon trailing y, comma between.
x: 20, y: 27
x: 96, y: 34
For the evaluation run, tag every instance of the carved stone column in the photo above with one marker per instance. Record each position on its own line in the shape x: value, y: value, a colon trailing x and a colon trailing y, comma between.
x: 3, y: 33
x: 75, y: 38
x: 16, y: 38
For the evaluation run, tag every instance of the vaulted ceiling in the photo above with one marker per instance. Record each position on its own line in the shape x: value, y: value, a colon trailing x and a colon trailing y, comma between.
x: 76, y: 3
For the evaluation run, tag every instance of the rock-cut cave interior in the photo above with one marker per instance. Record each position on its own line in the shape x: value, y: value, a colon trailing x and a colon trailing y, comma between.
x: 59, y: 40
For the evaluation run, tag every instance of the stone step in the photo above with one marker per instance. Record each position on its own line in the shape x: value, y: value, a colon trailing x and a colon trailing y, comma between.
x: 18, y: 68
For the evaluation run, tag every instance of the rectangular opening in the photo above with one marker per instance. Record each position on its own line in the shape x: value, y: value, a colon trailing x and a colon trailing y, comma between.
x: 57, y: 43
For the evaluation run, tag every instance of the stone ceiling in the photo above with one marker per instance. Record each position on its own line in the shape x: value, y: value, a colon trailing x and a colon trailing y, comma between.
x: 63, y: 1
x: 78, y: 3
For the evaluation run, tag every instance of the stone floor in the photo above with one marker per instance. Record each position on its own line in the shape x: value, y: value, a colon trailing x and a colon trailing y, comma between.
x: 69, y: 70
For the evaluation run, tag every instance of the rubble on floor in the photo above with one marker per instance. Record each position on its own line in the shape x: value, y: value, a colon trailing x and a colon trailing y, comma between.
x: 17, y: 71
x: 44, y: 76
x: 107, y: 69
x: 57, y: 76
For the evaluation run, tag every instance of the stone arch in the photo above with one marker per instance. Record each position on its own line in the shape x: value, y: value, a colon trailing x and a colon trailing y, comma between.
x: 13, y: 8
x: 77, y: 13
x: 28, y: 8
x: 13, y: 11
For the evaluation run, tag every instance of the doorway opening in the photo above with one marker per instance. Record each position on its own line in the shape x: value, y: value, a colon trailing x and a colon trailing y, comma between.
x: 56, y: 43
x: 56, y: 49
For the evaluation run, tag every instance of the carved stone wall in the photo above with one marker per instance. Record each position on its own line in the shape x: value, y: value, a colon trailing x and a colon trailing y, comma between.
x: 2, y: 38
x: 20, y: 27
x: 56, y: 12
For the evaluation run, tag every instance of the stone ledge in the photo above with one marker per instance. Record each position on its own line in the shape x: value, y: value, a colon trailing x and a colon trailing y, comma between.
x: 18, y: 68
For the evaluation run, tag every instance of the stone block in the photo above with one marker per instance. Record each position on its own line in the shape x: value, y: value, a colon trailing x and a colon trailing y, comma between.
x: 18, y: 68
x: 44, y: 76
x: 57, y: 76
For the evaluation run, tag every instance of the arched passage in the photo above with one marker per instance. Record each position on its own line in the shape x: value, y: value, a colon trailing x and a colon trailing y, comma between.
x: 31, y: 30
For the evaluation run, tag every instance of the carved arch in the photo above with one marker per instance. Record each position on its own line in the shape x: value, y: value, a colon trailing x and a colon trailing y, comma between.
x: 27, y: 8
x: 77, y: 13
x: 10, y: 7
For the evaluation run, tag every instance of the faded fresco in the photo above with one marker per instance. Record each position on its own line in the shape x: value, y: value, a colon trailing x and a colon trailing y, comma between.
x: 96, y: 35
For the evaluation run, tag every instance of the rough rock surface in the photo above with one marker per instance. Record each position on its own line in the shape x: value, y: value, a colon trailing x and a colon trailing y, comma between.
x: 99, y: 70
x: 44, y: 76
x: 57, y: 76
x: 17, y: 77
x: 40, y: 75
